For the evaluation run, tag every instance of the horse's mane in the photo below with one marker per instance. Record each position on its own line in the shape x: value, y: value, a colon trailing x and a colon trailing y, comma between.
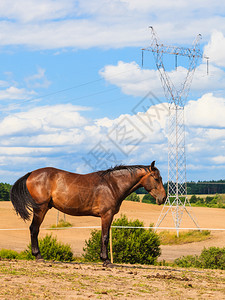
x: 131, y: 169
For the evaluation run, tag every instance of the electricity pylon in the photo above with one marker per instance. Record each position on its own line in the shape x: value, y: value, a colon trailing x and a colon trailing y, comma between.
x: 177, y: 187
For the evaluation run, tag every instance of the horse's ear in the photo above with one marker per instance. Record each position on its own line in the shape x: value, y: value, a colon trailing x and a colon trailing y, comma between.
x: 153, y: 165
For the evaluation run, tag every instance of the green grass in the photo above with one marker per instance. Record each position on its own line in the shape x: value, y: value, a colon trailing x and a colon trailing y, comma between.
x: 170, y: 238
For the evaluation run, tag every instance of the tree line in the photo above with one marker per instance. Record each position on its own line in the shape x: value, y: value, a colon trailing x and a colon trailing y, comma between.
x: 199, y: 187
x: 206, y: 187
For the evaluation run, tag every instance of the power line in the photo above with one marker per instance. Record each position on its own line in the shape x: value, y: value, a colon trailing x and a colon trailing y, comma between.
x: 65, y: 90
x: 78, y: 98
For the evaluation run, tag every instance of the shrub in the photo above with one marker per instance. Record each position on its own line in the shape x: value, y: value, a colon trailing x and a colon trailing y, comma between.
x: 133, y: 197
x: 188, y: 261
x: 51, y: 249
x: 9, y: 254
x: 211, y: 258
x: 148, y: 199
x: 4, y: 191
x: 209, y: 199
x: 193, y: 199
x: 129, y: 245
x: 92, y: 246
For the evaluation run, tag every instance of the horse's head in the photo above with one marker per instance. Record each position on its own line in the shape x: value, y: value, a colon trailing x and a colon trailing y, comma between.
x: 152, y: 182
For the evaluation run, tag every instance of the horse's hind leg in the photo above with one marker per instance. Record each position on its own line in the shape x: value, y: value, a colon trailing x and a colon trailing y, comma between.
x: 34, y: 229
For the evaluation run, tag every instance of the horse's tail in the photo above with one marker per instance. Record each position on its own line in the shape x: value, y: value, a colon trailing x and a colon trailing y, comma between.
x: 21, y: 199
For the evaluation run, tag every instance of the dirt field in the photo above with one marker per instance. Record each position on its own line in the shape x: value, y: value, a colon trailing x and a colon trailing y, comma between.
x: 35, y: 280
x: 17, y: 239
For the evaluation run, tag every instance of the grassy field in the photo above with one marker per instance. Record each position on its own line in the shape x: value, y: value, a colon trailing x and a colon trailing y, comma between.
x: 207, y: 195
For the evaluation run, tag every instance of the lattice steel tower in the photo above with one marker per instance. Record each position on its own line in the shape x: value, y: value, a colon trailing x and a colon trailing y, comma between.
x: 177, y: 186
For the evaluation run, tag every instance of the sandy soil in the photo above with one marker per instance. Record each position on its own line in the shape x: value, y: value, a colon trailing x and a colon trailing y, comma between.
x: 49, y: 280
x: 17, y: 238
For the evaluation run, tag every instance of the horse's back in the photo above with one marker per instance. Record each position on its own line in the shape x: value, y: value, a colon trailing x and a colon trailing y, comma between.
x: 69, y: 192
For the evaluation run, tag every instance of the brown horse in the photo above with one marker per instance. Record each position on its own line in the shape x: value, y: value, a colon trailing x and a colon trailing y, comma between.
x: 98, y: 194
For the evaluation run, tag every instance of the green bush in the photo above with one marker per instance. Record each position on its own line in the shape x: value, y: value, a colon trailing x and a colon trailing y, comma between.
x: 133, y: 197
x: 209, y: 199
x: 194, y: 199
x: 148, y: 199
x: 92, y: 247
x: 4, y: 191
x: 9, y: 254
x: 134, y: 245
x: 51, y: 249
x: 216, y: 201
x: 211, y: 258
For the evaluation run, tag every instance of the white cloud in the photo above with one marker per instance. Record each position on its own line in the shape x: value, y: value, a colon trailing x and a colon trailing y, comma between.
x: 215, y: 49
x: 16, y: 151
x: 48, y: 119
x: 48, y: 24
x: 208, y: 111
x: 64, y: 125
x: 46, y: 134
x: 60, y: 138
x: 14, y: 93
x: 220, y: 159
x: 132, y: 79
x: 3, y: 83
x: 205, y: 135
x: 56, y: 130
x: 215, y: 134
x: 32, y: 10
x: 38, y: 80
x: 138, y: 82
x: 213, y: 81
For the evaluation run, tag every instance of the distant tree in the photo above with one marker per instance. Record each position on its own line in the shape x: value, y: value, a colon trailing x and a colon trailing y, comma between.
x: 4, y: 191
x: 141, y: 190
x: 133, y: 197
x: 206, y: 187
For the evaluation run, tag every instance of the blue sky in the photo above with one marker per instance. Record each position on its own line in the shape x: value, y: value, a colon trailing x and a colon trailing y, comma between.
x: 71, y: 72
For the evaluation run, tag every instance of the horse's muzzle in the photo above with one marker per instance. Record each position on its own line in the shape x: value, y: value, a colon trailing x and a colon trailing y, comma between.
x: 161, y: 200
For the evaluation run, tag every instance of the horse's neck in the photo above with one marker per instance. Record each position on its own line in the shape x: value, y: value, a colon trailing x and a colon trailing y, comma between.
x: 128, y: 182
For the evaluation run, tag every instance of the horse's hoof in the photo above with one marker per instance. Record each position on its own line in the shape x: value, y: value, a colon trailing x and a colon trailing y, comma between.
x: 39, y: 258
x: 108, y: 264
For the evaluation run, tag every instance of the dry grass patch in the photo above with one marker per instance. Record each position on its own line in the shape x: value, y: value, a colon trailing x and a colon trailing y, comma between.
x: 170, y: 238
x: 61, y: 224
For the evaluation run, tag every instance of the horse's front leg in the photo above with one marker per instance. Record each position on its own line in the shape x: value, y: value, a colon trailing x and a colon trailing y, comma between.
x: 106, y: 223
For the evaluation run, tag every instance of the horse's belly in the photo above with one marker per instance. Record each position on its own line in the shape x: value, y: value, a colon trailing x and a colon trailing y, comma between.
x: 76, y: 206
